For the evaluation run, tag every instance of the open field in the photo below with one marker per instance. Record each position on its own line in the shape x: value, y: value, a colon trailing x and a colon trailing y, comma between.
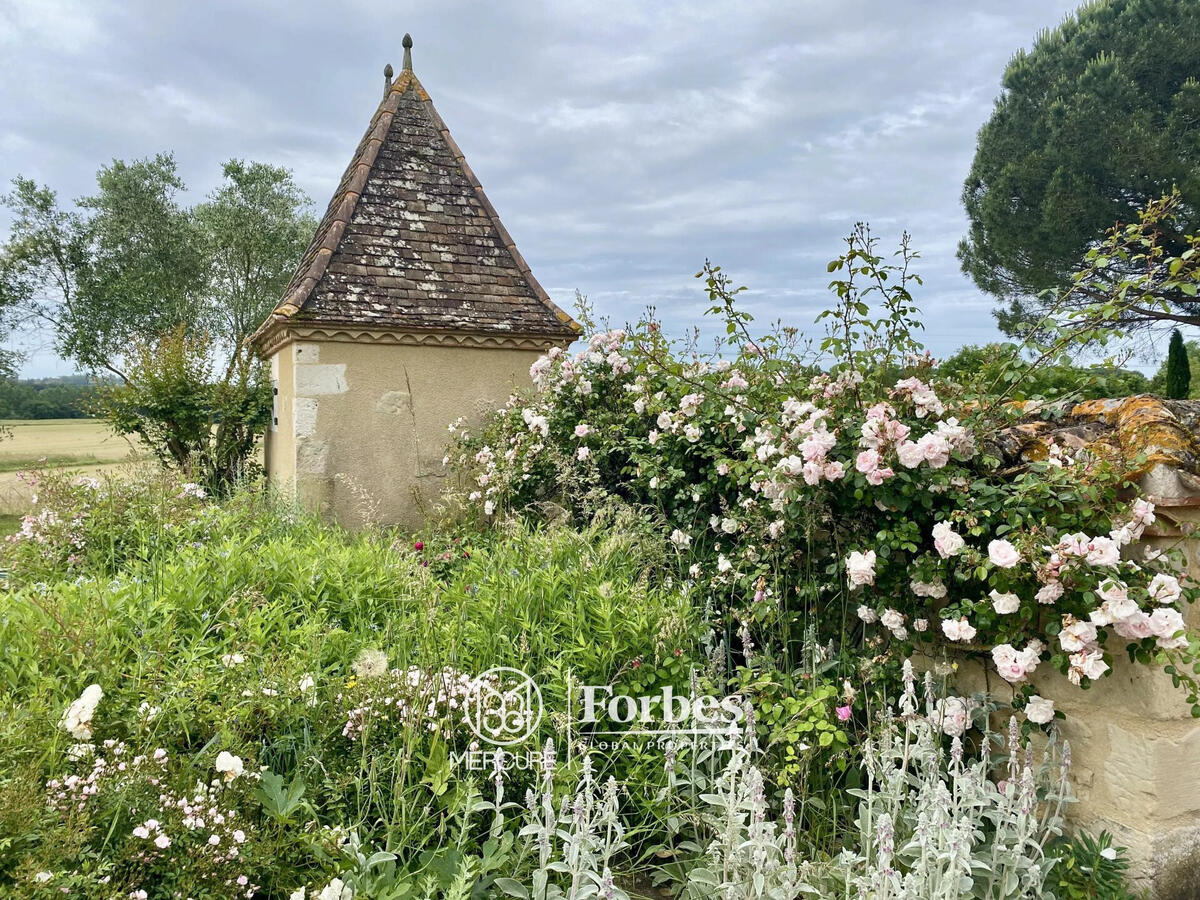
x: 86, y: 445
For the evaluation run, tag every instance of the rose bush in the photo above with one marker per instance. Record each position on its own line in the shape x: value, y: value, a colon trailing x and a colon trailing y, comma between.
x: 858, y: 504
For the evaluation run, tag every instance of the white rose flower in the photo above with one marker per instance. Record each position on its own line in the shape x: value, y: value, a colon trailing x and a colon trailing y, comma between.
x: 946, y: 541
x: 1005, y: 604
x: 958, y: 629
x: 1003, y: 554
x: 1039, y: 710
x: 1164, y: 589
x: 953, y: 715
x: 860, y: 568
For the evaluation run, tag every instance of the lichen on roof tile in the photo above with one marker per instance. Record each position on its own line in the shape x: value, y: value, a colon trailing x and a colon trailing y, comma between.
x: 409, y: 240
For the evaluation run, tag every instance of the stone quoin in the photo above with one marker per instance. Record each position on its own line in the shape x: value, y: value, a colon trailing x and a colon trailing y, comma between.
x: 411, y: 308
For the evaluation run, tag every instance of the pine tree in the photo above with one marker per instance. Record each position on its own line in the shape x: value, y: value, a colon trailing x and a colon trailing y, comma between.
x: 1179, y: 373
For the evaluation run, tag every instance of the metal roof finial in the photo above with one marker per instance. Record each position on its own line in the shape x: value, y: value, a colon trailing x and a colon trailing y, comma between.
x: 407, y: 44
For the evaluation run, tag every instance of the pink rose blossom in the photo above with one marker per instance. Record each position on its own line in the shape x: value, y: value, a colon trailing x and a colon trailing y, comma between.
x: 867, y: 461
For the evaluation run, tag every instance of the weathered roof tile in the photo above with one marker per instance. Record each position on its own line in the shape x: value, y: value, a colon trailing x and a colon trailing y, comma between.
x: 411, y: 242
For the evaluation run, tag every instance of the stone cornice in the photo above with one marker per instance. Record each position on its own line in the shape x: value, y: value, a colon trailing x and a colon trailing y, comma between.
x: 280, y: 333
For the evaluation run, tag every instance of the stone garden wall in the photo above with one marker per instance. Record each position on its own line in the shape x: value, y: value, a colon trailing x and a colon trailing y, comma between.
x: 1134, y: 743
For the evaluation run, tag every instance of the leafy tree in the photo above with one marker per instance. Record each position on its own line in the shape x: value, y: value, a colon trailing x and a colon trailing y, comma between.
x: 1099, y: 119
x: 45, y: 398
x: 134, y: 283
x: 1179, y: 373
x: 172, y: 400
x: 991, y: 364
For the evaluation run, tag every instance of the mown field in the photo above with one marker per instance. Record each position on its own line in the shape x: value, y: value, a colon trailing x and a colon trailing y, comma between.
x: 84, y: 445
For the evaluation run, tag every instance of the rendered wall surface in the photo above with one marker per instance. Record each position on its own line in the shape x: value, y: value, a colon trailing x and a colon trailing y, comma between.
x: 363, y: 427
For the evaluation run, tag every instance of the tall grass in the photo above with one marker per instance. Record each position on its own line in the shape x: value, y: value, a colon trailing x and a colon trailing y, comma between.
x: 213, y: 616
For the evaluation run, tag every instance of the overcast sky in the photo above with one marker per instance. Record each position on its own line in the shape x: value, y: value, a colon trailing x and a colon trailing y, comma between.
x: 622, y: 142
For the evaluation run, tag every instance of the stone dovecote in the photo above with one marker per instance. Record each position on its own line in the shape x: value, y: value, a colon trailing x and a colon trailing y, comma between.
x: 411, y: 242
x: 411, y: 309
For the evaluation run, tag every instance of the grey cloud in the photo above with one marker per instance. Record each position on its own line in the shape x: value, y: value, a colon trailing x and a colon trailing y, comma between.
x: 623, y: 143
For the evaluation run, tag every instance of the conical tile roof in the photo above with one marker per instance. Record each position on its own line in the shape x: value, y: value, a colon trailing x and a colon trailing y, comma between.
x: 411, y: 243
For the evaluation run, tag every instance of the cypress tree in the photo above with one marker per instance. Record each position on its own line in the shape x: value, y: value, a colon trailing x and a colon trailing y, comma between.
x: 1179, y: 373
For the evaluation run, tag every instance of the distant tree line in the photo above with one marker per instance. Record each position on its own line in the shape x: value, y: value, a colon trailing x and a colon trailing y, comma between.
x: 69, y: 397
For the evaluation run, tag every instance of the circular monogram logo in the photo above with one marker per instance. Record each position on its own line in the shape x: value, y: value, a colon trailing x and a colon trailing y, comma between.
x: 505, y: 707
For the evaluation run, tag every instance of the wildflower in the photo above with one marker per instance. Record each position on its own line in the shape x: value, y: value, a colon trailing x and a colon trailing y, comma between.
x: 146, y: 712
x: 1003, y: 554
x: 843, y: 713
x: 418, y: 546
x: 77, y: 719
x: 193, y: 490
x: 229, y: 766
x: 370, y: 663
x: 1039, y: 710
x: 229, y: 660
